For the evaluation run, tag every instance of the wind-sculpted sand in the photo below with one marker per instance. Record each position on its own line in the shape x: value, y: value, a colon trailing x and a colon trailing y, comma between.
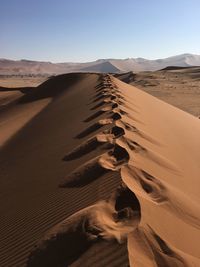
x: 125, y: 176
x: 105, y: 220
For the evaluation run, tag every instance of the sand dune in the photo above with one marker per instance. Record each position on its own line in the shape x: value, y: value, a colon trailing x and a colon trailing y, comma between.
x: 102, y: 164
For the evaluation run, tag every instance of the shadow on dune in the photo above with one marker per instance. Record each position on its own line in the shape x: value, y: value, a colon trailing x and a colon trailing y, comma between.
x: 51, y: 88
x: 98, y: 105
x: 93, y: 143
x: 124, y: 197
x: 24, y: 90
x: 116, y: 116
x: 98, y: 98
x: 98, y: 125
x: 85, y: 148
x: 95, y: 168
x: 85, y: 174
x: 94, y: 116
x: 126, y: 77
x: 91, y: 129
x: 64, y: 248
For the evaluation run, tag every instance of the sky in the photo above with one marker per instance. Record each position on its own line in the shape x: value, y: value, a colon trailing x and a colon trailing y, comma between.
x: 87, y: 30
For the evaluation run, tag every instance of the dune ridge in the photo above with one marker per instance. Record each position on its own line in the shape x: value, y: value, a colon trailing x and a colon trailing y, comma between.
x: 138, y: 155
x: 32, y: 165
x: 108, y: 220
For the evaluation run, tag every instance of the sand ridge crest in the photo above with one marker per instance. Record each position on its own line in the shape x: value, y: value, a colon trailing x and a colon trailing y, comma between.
x: 108, y: 220
x: 118, y: 129
x: 128, y: 145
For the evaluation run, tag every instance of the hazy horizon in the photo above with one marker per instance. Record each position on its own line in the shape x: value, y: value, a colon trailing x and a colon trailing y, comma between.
x: 83, y: 31
x: 28, y: 59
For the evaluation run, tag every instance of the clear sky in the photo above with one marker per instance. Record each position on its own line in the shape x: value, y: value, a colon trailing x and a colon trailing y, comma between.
x: 86, y: 30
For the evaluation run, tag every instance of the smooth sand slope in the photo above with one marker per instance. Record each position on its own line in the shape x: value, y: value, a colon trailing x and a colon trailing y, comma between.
x: 101, y: 164
x: 163, y: 171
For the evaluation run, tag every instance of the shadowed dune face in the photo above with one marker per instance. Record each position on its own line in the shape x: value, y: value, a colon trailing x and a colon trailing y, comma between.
x: 52, y: 87
x: 32, y: 167
x: 13, y: 87
x: 84, y: 174
x: 24, y: 103
x: 109, y: 220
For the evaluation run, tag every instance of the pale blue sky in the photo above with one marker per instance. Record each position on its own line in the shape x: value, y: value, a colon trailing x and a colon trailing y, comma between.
x: 86, y: 30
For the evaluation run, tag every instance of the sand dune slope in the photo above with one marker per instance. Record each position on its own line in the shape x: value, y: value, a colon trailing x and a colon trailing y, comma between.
x: 34, y: 162
x: 163, y: 172
x: 102, y: 163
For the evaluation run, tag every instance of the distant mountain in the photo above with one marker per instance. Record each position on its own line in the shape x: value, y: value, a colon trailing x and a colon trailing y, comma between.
x: 102, y: 65
x: 105, y: 66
